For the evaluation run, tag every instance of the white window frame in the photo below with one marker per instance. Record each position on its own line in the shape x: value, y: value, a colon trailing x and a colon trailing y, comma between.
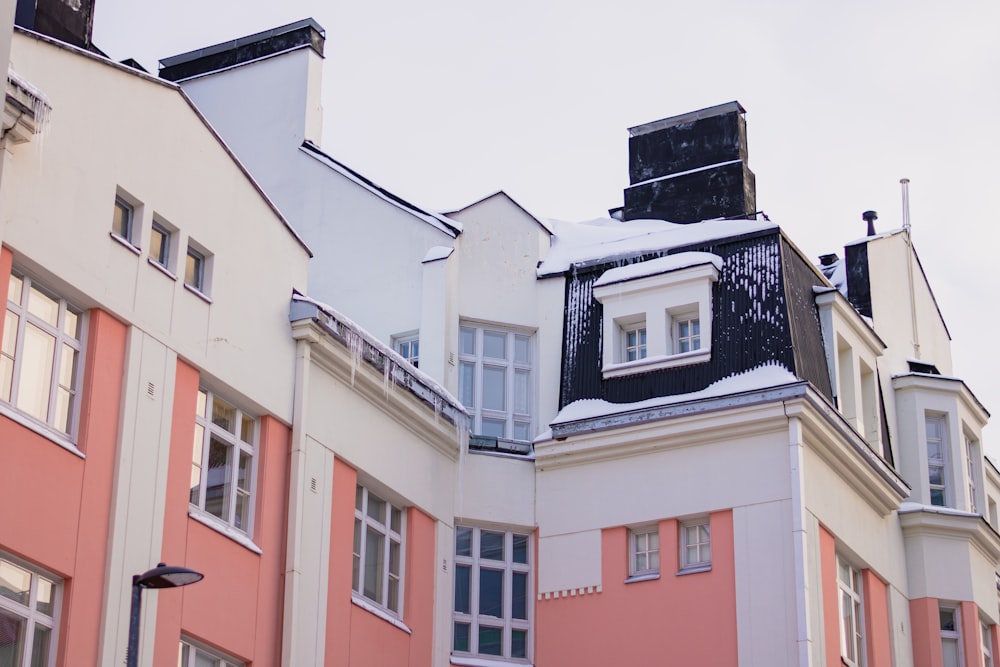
x: 30, y: 613
x: 197, y: 650
x: 644, y: 551
x: 507, y: 623
x: 693, y: 340
x: 700, y: 543
x: 516, y: 422
x: 986, y: 642
x: 633, y: 350
x: 408, y: 347
x: 952, y: 636
x: 941, y: 462
x: 365, y: 524
x: 972, y: 465
x: 851, y: 618
x: 12, y: 354
x: 205, y: 430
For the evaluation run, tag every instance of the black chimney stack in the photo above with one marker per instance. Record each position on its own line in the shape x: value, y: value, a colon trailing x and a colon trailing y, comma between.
x: 870, y: 217
x: 691, y: 167
x: 70, y: 21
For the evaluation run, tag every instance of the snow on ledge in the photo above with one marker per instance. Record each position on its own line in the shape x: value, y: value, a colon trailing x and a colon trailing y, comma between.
x: 762, y: 377
x: 437, y: 252
x: 652, y: 267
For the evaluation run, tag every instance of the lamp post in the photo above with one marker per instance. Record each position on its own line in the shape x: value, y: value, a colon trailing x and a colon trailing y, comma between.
x: 161, y: 576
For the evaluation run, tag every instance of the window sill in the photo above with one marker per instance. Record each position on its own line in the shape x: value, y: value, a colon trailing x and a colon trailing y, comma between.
x: 487, y: 662
x: 648, y: 576
x: 198, y: 293
x: 695, y: 569
x: 378, y: 611
x: 656, y: 363
x: 162, y: 269
x: 124, y: 242
x: 241, y: 538
x: 41, y: 429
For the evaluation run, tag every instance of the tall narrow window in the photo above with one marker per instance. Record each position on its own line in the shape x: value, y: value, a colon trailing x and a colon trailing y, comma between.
x: 194, y: 269
x: 377, y: 572
x: 951, y: 637
x: 28, y: 604
x: 495, y: 381
x: 223, y: 466
x: 644, y: 551
x: 972, y: 464
x: 688, y: 333
x: 987, y: 644
x: 159, y: 245
x: 634, y: 337
x: 492, y: 594
x: 696, y: 544
x: 937, y: 453
x: 40, y: 355
x: 122, y: 221
x: 852, y: 630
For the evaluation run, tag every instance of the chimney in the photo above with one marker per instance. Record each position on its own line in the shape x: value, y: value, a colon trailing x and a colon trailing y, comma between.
x: 870, y: 217
x: 691, y: 167
x: 70, y: 21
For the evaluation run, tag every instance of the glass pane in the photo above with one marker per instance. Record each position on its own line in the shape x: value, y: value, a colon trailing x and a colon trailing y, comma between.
x: 242, y: 518
x: 947, y: 619
x: 949, y: 650
x: 522, y: 389
x: 494, y: 345
x: 496, y: 428
x: 490, y: 641
x: 358, y: 497
x: 374, y: 564
x: 40, y: 647
x: 204, y: 660
x: 45, y: 596
x: 376, y: 508
x: 461, y: 642
x: 217, y: 491
x: 518, y: 644
x: 357, y: 554
x: 696, y: 327
x: 654, y: 560
x: 491, y: 592
x: 520, y: 549
x: 246, y: 431
x: 936, y: 475
x: 243, y: 474
x: 64, y: 403
x: 934, y: 428
x: 157, y: 245
x: 653, y: 541
x: 522, y: 349
x: 10, y: 333
x: 223, y: 414
x: 71, y: 324
x: 6, y: 377
x: 67, y: 366
x: 462, y: 588
x: 392, y: 599
x: 393, y: 557
x: 36, y: 372
x: 466, y: 383
x: 463, y: 541
x: 11, y: 639
x: 120, y: 220
x: 519, y: 595
x: 15, y: 582
x: 934, y: 450
x: 192, y: 270
x: 491, y: 545
x: 522, y: 431
x: 937, y: 497
x: 202, y: 403
x: 199, y: 439
x: 494, y: 388
x: 195, y: 484
x: 396, y: 519
x: 43, y: 307
x: 14, y: 288
x: 467, y: 341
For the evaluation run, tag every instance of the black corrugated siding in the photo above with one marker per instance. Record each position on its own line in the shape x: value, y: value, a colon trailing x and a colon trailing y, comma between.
x: 749, y: 325
x: 803, y: 318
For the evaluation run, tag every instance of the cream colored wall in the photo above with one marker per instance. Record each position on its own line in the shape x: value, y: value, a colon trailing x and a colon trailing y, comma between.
x: 967, y: 575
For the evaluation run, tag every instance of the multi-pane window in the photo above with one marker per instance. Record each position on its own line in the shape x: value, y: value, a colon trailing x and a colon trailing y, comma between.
x: 634, y: 338
x: 492, y: 593
x: 409, y: 349
x: 688, y: 332
x: 494, y: 381
x: 159, y: 244
x: 378, y: 550
x: 696, y: 543
x: 644, y: 551
x: 951, y: 636
x: 987, y: 644
x: 197, y: 656
x: 40, y: 354
x: 222, y: 464
x: 28, y: 604
x: 851, y: 617
x: 971, y: 460
x: 937, y: 454
x: 194, y: 269
x: 122, y: 221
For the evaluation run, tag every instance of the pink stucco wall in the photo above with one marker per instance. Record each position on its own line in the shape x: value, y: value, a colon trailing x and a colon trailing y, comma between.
x: 925, y: 624
x: 687, y: 619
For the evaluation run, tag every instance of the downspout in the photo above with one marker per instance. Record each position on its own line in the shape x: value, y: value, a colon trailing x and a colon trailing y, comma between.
x: 905, y: 185
x: 800, y: 540
x: 290, y: 651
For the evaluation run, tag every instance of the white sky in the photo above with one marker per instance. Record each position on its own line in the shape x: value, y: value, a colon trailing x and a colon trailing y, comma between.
x: 445, y: 101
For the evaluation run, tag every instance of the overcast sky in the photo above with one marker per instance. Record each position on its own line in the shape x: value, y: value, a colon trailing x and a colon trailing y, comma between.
x: 446, y: 101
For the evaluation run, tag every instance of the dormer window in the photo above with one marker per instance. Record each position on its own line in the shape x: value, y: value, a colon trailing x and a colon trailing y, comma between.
x: 655, y: 313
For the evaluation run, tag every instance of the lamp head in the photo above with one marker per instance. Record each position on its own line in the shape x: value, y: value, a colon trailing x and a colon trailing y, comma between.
x: 167, y: 576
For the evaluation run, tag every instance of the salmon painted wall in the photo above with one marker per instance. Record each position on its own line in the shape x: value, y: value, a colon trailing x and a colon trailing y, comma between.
x: 355, y: 636
x: 831, y: 611
x: 925, y: 622
x: 237, y: 607
x: 971, y: 644
x: 685, y: 619
x: 876, y: 612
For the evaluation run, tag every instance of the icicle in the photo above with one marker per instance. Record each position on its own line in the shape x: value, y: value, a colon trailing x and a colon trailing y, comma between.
x: 387, y: 369
x: 355, y: 344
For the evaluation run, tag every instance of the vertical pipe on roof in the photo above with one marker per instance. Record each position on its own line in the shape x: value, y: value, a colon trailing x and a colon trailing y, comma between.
x: 905, y: 185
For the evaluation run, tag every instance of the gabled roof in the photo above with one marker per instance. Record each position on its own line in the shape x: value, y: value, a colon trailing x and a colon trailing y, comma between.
x: 451, y: 227
x: 504, y: 195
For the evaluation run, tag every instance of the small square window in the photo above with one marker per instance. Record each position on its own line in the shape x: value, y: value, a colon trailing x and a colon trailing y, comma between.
x: 696, y: 544
x: 122, y: 222
x: 409, y: 348
x: 644, y: 551
x: 634, y: 337
x: 687, y: 333
x: 159, y: 245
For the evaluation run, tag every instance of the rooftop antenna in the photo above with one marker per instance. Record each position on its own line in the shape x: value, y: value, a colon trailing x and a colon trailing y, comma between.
x: 904, y: 183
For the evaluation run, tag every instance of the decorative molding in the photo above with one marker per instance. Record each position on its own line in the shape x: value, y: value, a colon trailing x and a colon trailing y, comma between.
x: 570, y: 593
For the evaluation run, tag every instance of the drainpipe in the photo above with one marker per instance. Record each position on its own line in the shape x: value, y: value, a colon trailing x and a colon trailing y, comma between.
x: 800, y: 540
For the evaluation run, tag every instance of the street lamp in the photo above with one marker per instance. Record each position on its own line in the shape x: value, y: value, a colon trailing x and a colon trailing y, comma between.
x: 161, y: 576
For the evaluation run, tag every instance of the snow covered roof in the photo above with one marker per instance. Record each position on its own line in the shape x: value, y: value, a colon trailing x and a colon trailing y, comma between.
x: 605, y: 239
x: 657, y: 266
